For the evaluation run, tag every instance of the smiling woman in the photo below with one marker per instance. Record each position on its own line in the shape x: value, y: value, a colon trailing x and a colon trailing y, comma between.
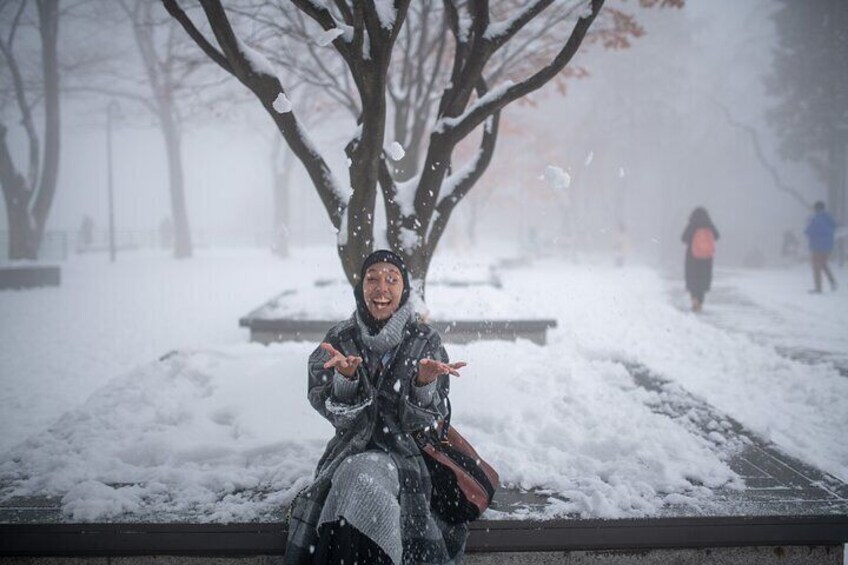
x: 378, y: 377
x: 383, y: 286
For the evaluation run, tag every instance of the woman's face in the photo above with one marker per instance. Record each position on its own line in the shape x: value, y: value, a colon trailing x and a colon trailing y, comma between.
x: 382, y: 289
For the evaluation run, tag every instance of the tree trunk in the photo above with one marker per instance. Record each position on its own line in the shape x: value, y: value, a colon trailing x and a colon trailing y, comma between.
x: 23, y: 239
x: 365, y: 154
x: 28, y: 202
x: 49, y: 27
x: 182, y: 233
x: 359, y: 226
x: 17, y: 200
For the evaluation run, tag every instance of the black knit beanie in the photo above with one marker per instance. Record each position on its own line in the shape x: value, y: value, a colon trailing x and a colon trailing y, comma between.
x: 379, y: 256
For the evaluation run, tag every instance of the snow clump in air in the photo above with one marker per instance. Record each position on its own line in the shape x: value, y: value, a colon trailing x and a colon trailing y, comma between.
x: 557, y: 178
x: 396, y: 151
x: 408, y: 239
x: 282, y: 104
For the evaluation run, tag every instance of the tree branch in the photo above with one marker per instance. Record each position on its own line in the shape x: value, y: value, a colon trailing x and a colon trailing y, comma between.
x: 461, y: 182
x: 112, y: 92
x: 463, y: 125
x: 267, y: 88
x: 15, y: 22
x: 48, y: 26
x: 761, y: 157
x: 518, y: 23
x: 178, y: 14
x: 23, y: 105
x: 344, y: 10
x: 327, y: 22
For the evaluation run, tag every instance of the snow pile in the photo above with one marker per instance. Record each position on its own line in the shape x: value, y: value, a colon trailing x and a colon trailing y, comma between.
x: 623, y: 314
x: 581, y: 429
x: 59, y: 345
x: 220, y: 435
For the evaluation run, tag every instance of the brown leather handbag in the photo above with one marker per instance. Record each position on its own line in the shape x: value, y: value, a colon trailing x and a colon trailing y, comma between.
x: 463, y: 483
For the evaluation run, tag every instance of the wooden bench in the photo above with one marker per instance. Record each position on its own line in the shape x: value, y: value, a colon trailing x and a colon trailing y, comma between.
x: 29, y: 276
x: 269, y: 330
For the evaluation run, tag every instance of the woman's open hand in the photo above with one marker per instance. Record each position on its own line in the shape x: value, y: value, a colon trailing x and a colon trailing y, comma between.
x: 346, y: 365
x: 430, y: 369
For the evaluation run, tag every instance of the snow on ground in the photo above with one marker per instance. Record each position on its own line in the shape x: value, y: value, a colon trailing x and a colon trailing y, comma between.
x: 622, y: 314
x: 773, y: 307
x: 58, y: 345
x: 222, y: 431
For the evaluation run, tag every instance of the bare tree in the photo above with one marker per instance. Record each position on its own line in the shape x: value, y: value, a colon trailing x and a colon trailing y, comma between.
x: 29, y: 196
x: 170, y: 81
x: 365, y: 37
x: 167, y: 71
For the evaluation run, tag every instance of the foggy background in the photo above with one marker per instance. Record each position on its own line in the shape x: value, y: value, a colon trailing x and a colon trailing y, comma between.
x: 650, y: 121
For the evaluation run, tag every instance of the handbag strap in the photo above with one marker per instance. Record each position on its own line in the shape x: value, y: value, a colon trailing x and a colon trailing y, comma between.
x: 443, y: 434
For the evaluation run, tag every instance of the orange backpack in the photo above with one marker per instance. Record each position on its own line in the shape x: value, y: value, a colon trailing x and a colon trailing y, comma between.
x: 703, y: 244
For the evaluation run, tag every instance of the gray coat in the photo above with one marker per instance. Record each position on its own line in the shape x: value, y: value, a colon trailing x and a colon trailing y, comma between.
x: 381, y: 413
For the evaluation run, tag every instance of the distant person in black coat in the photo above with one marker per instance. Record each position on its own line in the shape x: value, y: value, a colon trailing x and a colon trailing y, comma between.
x: 699, y: 236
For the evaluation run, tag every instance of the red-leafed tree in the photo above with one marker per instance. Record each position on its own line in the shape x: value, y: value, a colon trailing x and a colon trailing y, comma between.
x: 426, y: 75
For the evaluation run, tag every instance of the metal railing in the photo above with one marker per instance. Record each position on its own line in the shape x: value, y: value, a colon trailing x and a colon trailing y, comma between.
x: 59, y: 245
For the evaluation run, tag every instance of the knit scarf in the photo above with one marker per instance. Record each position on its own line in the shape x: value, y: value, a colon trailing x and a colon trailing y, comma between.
x: 392, y: 332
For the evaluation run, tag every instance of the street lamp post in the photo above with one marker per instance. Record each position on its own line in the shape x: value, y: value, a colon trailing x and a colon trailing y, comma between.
x: 110, y: 109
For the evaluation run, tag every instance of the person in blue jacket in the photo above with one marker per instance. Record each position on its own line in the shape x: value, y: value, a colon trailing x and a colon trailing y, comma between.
x: 820, y: 232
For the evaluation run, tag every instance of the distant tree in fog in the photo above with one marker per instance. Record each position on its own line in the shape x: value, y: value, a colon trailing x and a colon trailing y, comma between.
x: 154, y: 70
x: 809, y: 80
x: 174, y: 84
x: 420, y: 78
x: 169, y: 70
x: 29, y: 83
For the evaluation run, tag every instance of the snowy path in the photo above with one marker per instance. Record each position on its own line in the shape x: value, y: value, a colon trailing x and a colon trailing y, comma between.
x: 221, y: 431
x: 774, y: 308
